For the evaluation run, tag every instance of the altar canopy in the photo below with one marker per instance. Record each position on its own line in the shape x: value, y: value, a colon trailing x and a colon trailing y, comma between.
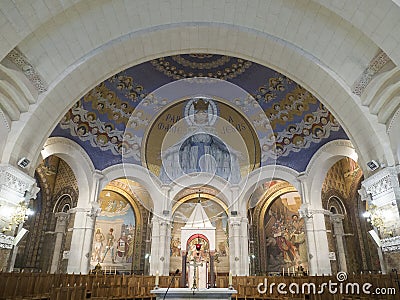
x: 198, y: 242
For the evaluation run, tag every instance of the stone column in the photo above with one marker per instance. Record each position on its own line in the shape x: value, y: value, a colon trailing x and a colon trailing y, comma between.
x: 212, y: 275
x: 161, y: 233
x: 160, y: 246
x: 82, y: 237
x: 238, y: 235
x: 337, y: 221
x: 244, y: 247
x: 317, y: 240
x: 62, y: 220
x: 234, y: 245
x: 314, y: 220
x: 183, y: 278
x: 83, y: 230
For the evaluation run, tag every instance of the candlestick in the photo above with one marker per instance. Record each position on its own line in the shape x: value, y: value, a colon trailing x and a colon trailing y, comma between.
x: 230, y: 280
x: 157, y: 281
x: 283, y: 271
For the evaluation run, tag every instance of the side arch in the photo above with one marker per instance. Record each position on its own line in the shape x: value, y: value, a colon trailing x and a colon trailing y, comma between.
x: 79, y: 162
x: 139, y: 174
x: 319, y: 166
x: 262, y: 175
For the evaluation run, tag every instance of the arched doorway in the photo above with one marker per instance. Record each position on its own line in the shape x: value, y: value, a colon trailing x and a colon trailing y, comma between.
x: 277, y: 235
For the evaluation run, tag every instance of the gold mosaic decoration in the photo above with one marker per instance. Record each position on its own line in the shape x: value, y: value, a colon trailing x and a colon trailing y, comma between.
x: 223, y: 67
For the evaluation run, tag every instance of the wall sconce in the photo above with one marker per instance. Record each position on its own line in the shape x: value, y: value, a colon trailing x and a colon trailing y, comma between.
x: 12, y: 216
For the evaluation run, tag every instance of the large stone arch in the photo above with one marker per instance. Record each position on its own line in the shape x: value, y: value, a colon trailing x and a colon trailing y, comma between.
x: 263, y: 174
x: 312, y: 74
x: 139, y: 174
x: 319, y: 166
x: 219, y: 184
x: 79, y: 162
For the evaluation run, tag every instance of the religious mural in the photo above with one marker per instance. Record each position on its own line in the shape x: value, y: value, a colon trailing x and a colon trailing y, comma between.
x: 113, y: 118
x: 285, y: 236
x: 203, y: 148
x: 113, y: 241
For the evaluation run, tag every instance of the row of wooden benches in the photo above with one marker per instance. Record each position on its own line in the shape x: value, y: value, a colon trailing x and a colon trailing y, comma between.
x: 69, y: 286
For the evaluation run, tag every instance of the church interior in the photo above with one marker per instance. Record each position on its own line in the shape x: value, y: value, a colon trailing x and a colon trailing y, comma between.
x: 198, y: 144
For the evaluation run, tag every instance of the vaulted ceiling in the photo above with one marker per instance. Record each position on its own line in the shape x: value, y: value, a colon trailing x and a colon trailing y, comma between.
x: 299, y: 122
x: 345, y: 53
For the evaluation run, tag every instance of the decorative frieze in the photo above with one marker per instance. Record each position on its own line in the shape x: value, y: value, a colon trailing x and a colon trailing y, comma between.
x: 29, y: 71
x: 374, y: 66
x: 391, y: 244
x: 6, y: 241
x: 382, y: 187
x: 15, y: 185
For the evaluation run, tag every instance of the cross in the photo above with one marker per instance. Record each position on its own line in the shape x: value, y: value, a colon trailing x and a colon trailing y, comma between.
x: 195, y: 265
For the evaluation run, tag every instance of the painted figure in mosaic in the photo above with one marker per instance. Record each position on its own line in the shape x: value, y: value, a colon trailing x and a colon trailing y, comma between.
x: 122, y: 246
x: 98, y: 244
x: 109, y: 245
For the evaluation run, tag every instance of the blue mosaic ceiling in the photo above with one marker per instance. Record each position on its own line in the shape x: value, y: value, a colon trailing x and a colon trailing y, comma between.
x: 301, y: 124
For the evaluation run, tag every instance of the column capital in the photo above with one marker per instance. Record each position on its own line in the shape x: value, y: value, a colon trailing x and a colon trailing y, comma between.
x: 364, y: 195
x: 95, y: 210
x: 302, y: 177
x: 307, y: 212
x: 382, y: 186
x: 15, y: 185
x: 337, y: 218
x: 235, y: 221
x: 61, y: 217
x: 161, y: 220
x: 98, y: 175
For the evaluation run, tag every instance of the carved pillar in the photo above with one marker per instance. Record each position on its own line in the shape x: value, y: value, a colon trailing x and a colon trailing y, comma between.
x: 382, y: 190
x: 382, y: 193
x: 16, y: 189
x: 62, y: 220
x: 337, y: 221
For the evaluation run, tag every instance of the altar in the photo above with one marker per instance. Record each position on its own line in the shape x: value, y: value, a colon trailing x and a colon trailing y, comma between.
x: 187, y: 293
x: 197, y: 250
